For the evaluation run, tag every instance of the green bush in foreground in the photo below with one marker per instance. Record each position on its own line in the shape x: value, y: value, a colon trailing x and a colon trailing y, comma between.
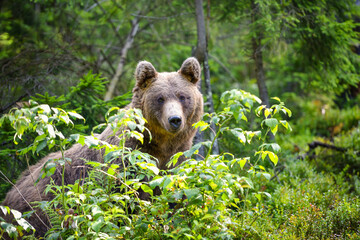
x: 217, y: 197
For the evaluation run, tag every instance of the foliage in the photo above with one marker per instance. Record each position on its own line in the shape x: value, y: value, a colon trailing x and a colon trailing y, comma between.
x: 206, y: 198
x: 60, y: 53
x: 12, y: 230
x: 84, y: 98
x: 310, y: 205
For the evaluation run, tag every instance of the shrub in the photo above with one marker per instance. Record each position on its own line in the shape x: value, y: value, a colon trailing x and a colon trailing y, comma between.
x: 219, y: 196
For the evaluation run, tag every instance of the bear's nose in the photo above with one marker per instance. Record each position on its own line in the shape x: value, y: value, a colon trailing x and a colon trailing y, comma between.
x: 175, y: 122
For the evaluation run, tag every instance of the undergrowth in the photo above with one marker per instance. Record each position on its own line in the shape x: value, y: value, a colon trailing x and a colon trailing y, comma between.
x: 222, y: 196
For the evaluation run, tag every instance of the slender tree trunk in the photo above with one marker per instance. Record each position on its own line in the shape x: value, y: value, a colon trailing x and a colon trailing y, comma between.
x: 201, y: 47
x: 202, y: 55
x: 210, y: 101
x: 259, y: 71
x: 258, y: 58
x: 123, y: 53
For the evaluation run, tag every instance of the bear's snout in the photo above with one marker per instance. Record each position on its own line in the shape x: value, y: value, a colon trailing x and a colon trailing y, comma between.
x: 175, y: 122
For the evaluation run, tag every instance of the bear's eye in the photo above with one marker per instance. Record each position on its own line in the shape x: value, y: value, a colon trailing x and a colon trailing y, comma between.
x: 160, y: 100
x: 182, y: 98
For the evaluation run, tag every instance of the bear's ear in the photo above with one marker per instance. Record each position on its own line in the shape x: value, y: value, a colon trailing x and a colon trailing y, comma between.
x: 144, y: 73
x: 191, y: 69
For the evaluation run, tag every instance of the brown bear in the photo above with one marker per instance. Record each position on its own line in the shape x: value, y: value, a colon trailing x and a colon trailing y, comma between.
x: 170, y: 102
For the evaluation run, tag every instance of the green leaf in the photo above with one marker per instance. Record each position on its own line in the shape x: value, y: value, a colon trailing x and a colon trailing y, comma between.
x: 44, y: 118
x: 5, y: 209
x: 153, y: 168
x: 146, y: 189
x: 96, y: 210
x: 264, y: 154
x: 258, y: 196
x: 276, y: 98
x: 259, y: 109
x: 131, y: 125
x: 25, y: 224
x: 21, y: 125
x: 177, y: 195
x: 267, y: 194
x: 267, y: 112
x: 90, y: 141
x: 45, y: 108
x: 207, y: 216
x: 192, y: 150
x: 286, y: 124
x: 65, y: 118
x: 10, y: 229
x: 168, y: 182
x: 76, y: 115
x: 275, y: 147
x: 97, y: 225
x: 238, y: 132
x: 271, y: 122
x: 41, y: 146
x: 174, y: 159
x: 16, y: 213
x: 242, y: 163
x: 213, y: 185
x: 51, y: 131
x: 156, y: 182
x: 286, y: 111
x: 274, y: 130
x: 266, y: 175
x: 201, y: 125
x: 190, y: 193
x: 273, y: 157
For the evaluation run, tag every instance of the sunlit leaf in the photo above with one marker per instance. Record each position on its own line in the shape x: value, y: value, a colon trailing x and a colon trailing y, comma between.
x: 51, y: 131
x: 273, y: 157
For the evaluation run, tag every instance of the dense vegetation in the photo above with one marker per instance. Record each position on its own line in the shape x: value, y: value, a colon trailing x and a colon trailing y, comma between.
x: 267, y: 171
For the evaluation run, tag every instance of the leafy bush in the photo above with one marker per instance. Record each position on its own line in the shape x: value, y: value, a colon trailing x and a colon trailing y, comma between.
x: 217, y: 196
x: 85, y: 98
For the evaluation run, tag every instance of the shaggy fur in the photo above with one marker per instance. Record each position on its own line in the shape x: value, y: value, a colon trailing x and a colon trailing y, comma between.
x: 160, y: 96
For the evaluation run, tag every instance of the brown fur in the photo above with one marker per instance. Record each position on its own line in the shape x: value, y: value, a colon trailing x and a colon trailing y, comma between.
x: 159, y: 96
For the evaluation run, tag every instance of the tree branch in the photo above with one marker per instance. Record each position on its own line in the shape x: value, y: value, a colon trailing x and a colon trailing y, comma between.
x: 9, y: 105
x: 315, y: 144
x: 123, y: 53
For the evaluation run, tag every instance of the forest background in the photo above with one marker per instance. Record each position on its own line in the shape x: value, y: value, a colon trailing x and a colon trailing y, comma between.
x: 81, y: 55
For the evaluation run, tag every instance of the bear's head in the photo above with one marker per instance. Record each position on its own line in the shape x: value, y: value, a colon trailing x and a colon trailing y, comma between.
x: 170, y: 101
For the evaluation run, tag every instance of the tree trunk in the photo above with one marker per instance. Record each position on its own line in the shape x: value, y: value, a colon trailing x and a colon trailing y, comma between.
x: 258, y: 58
x: 257, y: 55
x: 210, y: 102
x: 123, y: 53
x: 202, y: 55
x: 201, y: 47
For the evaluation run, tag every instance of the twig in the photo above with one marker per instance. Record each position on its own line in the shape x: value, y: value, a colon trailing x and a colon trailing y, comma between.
x: 160, y: 18
x: 22, y: 196
x: 276, y: 173
x: 107, y: 60
x: 9, y: 105
x: 315, y: 144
